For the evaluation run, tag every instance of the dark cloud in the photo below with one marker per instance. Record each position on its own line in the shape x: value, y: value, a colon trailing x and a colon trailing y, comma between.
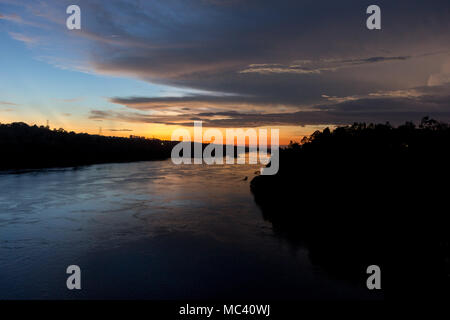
x: 393, y: 106
x: 262, y: 52
x: 147, y: 103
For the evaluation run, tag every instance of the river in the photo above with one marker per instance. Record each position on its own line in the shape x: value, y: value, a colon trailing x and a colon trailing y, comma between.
x: 149, y: 230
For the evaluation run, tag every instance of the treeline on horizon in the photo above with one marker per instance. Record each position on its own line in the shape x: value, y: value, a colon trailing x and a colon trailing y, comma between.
x: 30, y: 147
x: 360, y: 155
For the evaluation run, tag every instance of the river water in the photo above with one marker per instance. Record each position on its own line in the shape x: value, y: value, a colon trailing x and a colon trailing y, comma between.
x: 149, y: 230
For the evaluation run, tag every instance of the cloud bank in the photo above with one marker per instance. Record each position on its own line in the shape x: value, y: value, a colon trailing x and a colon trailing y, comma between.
x: 264, y: 62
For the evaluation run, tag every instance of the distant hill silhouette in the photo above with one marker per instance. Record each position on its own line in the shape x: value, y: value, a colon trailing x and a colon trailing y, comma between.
x: 24, y: 146
x: 368, y: 194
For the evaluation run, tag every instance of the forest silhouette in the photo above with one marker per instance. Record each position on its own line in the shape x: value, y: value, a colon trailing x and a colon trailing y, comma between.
x: 33, y: 147
x: 25, y: 147
x: 368, y: 194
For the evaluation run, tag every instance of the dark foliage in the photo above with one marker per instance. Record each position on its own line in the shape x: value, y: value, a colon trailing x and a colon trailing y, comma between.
x: 24, y: 146
x: 368, y: 194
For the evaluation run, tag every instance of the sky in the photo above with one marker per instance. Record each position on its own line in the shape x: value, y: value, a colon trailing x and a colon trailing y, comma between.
x: 149, y: 67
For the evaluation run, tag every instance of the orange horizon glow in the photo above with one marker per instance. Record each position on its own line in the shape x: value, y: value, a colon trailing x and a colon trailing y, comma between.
x: 149, y: 130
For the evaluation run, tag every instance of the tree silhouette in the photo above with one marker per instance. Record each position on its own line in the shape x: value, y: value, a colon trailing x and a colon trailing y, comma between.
x: 25, y: 146
x: 367, y: 194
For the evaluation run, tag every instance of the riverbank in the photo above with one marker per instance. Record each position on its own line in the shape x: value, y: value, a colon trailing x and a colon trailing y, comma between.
x: 32, y: 147
x: 27, y: 147
x: 367, y: 194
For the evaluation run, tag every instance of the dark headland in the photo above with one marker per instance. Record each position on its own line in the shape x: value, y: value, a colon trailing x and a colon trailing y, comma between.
x: 368, y: 194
